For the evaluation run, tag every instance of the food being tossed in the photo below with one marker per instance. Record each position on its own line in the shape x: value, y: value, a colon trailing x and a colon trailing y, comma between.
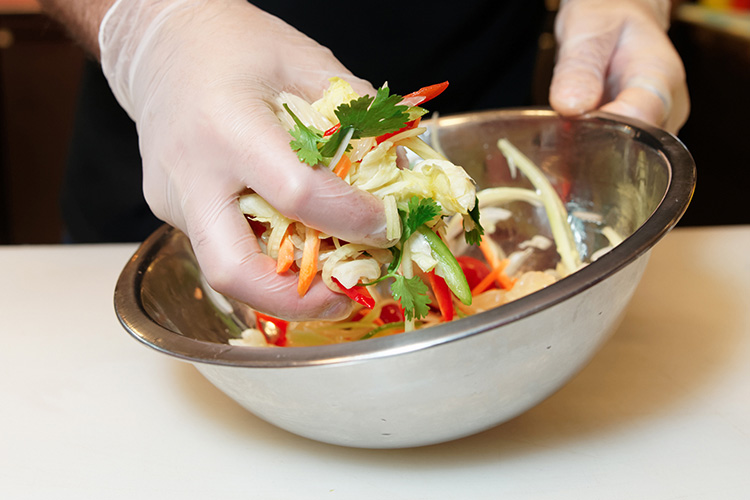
x: 432, y: 207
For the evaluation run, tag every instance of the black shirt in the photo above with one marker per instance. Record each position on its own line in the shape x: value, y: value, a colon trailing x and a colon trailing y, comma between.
x: 485, y: 48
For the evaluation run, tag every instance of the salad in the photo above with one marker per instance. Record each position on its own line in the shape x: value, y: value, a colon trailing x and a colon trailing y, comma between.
x: 425, y: 277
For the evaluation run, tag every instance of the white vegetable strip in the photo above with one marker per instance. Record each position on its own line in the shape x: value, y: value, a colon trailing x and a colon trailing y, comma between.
x: 302, y: 110
x: 421, y: 148
x: 392, y: 220
x: 347, y: 252
x: 360, y: 147
x: 351, y: 272
x: 502, y: 195
x: 262, y: 211
x: 612, y: 236
x: 342, y: 148
x: 614, y: 239
x: 274, y: 240
x: 536, y: 241
x: 251, y: 337
x: 553, y: 205
x: 421, y: 253
x: 406, y: 134
x: 516, y: 260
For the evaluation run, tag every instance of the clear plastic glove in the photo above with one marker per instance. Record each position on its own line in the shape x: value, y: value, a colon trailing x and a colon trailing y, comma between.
x: 198, y: 78
x: 616, y: 56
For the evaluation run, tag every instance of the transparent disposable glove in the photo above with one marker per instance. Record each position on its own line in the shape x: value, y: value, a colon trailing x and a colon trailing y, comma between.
x: 615, y: 55
x: 198, y: 78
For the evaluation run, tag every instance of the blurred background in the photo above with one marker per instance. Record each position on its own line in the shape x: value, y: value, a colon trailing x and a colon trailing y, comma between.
x: 40, y: 70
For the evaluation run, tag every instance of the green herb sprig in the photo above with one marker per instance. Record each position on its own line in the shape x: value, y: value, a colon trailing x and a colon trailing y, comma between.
x: 366, y: 116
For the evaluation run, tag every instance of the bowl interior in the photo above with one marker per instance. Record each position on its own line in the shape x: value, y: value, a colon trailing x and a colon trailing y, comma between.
x: 635, y: 179
x: 605, y: 172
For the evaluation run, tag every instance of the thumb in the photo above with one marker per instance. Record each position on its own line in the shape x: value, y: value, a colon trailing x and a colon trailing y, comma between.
x: 314, y: 195
x: 233, y: 263
x: 580, y: 72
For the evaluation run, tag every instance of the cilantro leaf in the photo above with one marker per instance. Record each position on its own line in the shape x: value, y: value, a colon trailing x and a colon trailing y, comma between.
x: 334, y: 141
x: 412, y: 294
x: 395, y: 262
x: 419, y: 211
x: 474, y: 235
x: 305, y: 140
x: 306, y: 147
x: 371, y: 117
x: 364, y: 117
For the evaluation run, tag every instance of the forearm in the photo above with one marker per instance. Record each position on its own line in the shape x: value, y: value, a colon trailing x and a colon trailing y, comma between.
x: 81, y: 17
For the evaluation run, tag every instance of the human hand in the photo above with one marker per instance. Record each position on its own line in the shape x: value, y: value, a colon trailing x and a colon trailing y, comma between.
x: 616, y: 57
x: 199, y: 79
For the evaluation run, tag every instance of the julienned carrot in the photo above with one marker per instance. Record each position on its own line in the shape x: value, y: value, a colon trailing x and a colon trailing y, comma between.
x: 485, y: 245
x: 497, y: 266
x: 285, y: 258
x: 343, y: 166
x: 309, y: 264
x: 496, y: 274
x: 505, y: 281
x: 486, y: 281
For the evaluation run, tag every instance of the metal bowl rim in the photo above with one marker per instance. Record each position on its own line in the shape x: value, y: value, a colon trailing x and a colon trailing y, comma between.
x: 135, y: 320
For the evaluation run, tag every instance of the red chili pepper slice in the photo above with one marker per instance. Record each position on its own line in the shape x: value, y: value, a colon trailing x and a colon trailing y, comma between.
x: 258, y: 228
x: 443, y: 295
x: 358, y: 294
x: 391, y: 313
x: 275, y: 334
x: 428, y: 93
x: 409, y: 124
x: 332, y: 130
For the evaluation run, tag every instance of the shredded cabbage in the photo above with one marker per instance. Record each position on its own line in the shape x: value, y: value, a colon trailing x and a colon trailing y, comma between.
x: 378, y: 168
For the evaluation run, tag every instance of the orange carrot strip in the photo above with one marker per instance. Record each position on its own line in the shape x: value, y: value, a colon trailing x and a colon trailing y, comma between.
x: 286, y: 254
x: 309, y: 265
x: 496, y: 274
x: 343, y: 166
x: 489, y: 253
x: 486, y: 281
x: 505, y: 281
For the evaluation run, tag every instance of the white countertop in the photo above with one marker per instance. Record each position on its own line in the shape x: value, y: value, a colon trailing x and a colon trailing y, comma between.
x: 662, y: 412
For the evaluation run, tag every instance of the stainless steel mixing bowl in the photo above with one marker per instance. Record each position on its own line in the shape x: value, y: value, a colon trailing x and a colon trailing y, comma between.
x: 459, y: 378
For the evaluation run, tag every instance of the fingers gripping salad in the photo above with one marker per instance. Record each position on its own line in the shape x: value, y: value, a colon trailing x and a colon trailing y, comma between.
x: 432, y: 210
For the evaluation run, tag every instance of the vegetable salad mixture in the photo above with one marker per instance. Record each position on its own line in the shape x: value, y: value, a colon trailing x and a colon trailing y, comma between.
x: 432, y: 207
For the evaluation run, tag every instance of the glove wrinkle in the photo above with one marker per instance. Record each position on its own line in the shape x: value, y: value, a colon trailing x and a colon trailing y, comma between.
x: 199, y: 78
x: 616, y: 56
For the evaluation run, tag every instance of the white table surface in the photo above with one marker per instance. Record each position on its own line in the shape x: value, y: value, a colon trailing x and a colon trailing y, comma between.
x: 662, y: 412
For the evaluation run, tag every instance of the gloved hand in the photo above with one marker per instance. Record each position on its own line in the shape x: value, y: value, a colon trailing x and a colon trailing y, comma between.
x: 616, y: 56
x: 198, y: 77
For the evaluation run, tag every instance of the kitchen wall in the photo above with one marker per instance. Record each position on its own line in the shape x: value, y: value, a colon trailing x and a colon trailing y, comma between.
x: 39, y: 74
x: 715, y: 47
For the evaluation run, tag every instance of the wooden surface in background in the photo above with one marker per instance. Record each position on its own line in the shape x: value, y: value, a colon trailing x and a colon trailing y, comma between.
x: 39, y: 74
